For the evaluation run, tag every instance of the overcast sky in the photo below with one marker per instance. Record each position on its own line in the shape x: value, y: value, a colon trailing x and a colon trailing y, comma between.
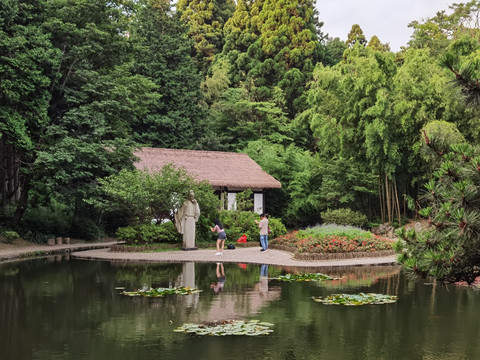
x: 388, y: 19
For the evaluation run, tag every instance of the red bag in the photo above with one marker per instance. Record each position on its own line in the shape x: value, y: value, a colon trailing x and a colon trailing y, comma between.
x: 242, y: 239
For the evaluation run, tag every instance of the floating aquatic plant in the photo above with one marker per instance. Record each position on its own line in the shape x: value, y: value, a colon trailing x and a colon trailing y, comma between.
x: 357, y: 299
x: 226, y: 328
x: 305, y: 277
x: 158, y: 292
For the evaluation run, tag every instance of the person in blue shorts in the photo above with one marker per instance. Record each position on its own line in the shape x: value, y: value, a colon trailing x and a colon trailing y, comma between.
x: 222, y: 235
x: 263, y: 225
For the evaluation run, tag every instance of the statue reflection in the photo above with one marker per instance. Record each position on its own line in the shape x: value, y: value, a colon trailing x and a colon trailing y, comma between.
x: 188, y: 280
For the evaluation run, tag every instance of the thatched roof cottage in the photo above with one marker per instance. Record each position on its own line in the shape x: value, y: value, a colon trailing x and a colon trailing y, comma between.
x: 227, y: 172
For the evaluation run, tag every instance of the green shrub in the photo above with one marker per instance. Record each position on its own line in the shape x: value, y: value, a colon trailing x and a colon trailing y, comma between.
x: 50, y: 219
x: 276, y: 228
x: 10, y: 236
x: 334, y: 229
x: 129, y: 234
x: 149, y: 234
x: 86, y: 228
x: 344, y: 217
x: 35, y: 236
x: 237, y: 223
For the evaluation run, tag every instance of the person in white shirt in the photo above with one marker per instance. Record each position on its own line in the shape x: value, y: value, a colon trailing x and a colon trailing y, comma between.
x: 263, y: 225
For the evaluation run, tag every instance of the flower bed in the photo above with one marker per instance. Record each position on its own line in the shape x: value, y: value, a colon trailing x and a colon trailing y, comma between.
x: 332, y: 241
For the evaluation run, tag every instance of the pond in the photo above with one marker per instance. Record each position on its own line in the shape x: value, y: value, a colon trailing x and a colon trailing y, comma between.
x: 59, y: 308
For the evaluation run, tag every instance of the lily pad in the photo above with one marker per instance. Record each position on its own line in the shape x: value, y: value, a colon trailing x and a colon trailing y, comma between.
x: 357, y: 299
x: 305, y: 277
x: 227, y: 328
x: 159, y: 292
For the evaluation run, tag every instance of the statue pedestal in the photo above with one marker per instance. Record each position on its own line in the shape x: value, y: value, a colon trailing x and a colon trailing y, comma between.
x: 189, y: 248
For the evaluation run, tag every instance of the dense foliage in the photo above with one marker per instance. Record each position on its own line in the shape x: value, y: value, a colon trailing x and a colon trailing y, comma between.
x: 449, y: 250
x: 344, y: 217
x: 238, y: 223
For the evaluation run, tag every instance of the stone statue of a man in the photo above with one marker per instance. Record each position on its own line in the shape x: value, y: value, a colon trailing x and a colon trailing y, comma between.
x: 185, y: 220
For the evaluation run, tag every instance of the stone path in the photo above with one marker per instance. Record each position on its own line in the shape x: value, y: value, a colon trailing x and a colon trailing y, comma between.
x: 251, y: 255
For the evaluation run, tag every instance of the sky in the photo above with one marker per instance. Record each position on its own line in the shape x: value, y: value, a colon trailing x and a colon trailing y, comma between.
x: 388, y: 19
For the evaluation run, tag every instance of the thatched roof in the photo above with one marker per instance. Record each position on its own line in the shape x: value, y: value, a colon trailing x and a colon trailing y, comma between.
x: 220, y: 169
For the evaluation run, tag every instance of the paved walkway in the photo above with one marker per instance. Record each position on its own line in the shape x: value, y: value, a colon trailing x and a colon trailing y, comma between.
x: 13, y: 252
x: 251, y: 255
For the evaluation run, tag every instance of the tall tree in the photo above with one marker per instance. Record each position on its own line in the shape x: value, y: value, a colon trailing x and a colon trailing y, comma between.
x: 28, y: 64
x: 92, y: 98
x: 437, y: 32
x: 205, y: 20
x: 240, y: 31
x: 163, y: 55
x: 284, y: 53
x: 356, y: 36
x: 351, y: 116
x: 375, y: 44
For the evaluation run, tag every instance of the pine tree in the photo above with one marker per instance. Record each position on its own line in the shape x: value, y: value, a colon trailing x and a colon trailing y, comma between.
x: 450, y: 249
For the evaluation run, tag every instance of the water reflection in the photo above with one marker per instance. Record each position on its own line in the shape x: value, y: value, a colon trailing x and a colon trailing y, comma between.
x: 187, y: 279
x: 51, y: 308
x: 218, y: 286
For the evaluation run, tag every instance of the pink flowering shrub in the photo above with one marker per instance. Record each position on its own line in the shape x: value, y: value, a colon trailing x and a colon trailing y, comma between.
x: 328, y: 240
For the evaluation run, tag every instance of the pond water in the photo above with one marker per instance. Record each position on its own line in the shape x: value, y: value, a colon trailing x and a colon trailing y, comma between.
x: 56, y: 308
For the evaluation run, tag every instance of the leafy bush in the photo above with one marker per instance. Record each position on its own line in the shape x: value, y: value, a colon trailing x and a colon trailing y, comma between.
x: 10, y: 236
x: 86, y: 228
x: 334, y: 229
x: 51, y: 219
x: 237, y: 223
x: 149, y: 233
x: 344, y: 217
x: 276, y: 228
x: 36, y: 237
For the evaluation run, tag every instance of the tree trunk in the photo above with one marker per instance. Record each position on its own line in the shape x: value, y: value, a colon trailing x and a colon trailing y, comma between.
x: 388, y: 199
x: 397, y: 203
x: 21, y: 204
x: 8, y: 172
x: 380, y: 198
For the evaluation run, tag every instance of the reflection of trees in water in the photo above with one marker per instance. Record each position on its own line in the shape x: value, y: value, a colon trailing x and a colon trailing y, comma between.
x: 356, y: 276
x: 12, y: 310
x: 162, y: 315
x: 83, y: 310
x: 146, y: 274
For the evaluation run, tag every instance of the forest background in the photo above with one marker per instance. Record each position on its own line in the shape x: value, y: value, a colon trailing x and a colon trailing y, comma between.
x: 340, y: 124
